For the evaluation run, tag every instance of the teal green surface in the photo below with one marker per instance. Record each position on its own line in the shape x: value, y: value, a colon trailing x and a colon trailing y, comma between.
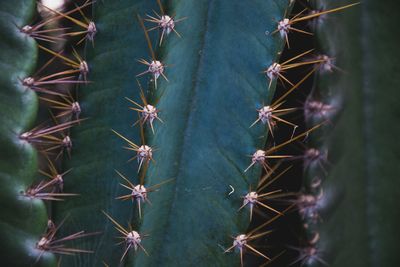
x: 22, y: 221
x: 214, y: 88
x: 97, y: 152
x: 215, y: 85
x: 362, y: 191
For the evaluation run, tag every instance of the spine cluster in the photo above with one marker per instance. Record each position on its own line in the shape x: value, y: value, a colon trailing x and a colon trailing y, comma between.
x: 57, y: 90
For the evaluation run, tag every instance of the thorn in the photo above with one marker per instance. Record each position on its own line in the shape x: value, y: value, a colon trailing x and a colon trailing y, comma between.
x: 132, y: 238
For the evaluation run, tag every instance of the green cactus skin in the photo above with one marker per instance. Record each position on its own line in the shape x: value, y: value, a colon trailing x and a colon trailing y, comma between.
x: 22, y: 221
x: 207, y: 107
x: 214, y: 90
x: 360, y: 204
x: 97, y: 152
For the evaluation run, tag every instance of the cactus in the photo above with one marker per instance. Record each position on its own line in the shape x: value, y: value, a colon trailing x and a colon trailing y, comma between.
x: 204, y: 138
x: 356, y: 199
x: 22, y: 220
x: 167, y: 163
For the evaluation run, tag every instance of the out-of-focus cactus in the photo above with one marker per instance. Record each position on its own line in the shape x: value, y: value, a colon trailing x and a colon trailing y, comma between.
x: 356, y: 201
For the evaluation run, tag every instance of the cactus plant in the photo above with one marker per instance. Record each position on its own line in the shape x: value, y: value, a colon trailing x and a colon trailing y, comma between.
x: 170, y: 156
x: 357, y: 199
x: 203, y: 142
x: 19, y: 231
